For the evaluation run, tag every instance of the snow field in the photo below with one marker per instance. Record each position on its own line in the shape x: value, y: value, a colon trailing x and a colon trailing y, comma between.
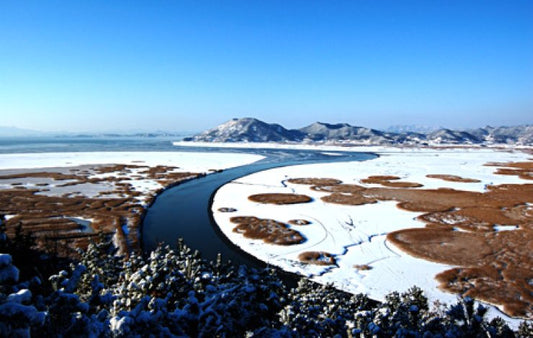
x: 187, y: 161
x: 356, y: 235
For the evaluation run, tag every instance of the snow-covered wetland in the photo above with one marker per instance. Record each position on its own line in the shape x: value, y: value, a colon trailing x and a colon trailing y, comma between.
x: 47, y: 194
x: 347, y: 244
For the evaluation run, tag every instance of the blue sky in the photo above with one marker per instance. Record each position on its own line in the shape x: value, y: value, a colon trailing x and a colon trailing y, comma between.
x: 190, y: 65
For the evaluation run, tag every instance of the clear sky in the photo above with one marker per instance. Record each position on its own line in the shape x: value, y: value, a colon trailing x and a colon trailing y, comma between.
x: 190, y: 65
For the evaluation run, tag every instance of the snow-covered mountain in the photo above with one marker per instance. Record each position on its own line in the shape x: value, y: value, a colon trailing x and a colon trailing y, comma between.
x: 522, y: 135
x: 411, y: 128
x: 248, y: 130
x: 320, y: 131
x: 447, y: 136
x: 254, y: 130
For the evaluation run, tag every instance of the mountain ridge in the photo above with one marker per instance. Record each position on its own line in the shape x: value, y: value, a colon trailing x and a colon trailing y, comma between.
x: 253, y: 130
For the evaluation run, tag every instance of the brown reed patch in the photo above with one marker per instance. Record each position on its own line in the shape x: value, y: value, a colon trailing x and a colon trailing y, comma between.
x: 453, y: 178
x: 511, y: 291
x: 524, y: 170
x: 299, y: 222
x: 119, y: 168
x: 379, y: 178
x: 56, y: 176
x: 389, y: 181
x: 401, y: 184
x: 475, y: 218
x: 522, y: 213
x: 443, y: 246
x: 158, y: 171
x: 47, y: 217
x: 347, y: 199
x: 362, y: 267
x: 341, y: 188
x: 315, y: 181
x: 270, y: 231
x: 492, y: 266
x: 280, y: 198
x: 317, y: 258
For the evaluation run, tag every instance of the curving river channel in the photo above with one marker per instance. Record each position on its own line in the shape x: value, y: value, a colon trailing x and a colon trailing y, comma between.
x: 184, y: 211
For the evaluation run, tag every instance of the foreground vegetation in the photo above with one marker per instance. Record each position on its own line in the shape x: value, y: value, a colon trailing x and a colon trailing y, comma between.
x: 177, y: 293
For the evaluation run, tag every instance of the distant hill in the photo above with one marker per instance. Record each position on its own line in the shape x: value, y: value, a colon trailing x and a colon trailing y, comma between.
x: 18, y: 132
x: 248, y: 130
x: 319, y: 131
x: 505, y: 135
x: 447, y: 136
x: 254, y: 130
x: 412, y: 128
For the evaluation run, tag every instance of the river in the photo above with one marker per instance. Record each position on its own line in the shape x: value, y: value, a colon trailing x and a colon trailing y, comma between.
x: 184, y: 211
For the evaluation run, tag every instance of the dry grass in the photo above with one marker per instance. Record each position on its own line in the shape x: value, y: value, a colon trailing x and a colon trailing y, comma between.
x: 341, y: 188
x: 314, y: 181
x: 524, y: 170
x: 46, y: 216
x: 348, y: 199
x: 299, y: 222
x: 270, y: 231
x: 362, y: 267
x: 401, y: 184
x: 280, y: 198
x: 493, y: 266
x: 389, y: 181
x: 379, y: 178
x: 317, y: 258
x: 53, y: 175
x: 453, y: 178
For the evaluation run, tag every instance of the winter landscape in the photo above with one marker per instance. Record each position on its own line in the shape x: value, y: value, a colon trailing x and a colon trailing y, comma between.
x: 266, y: 169
x: 445, y: 221
x: 348, y: 220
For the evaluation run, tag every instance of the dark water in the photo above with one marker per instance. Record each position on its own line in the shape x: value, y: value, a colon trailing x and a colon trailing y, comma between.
x: 184, y: 211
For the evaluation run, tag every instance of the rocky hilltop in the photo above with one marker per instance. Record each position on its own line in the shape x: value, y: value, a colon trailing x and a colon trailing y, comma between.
x: 254, y: 130
x: 248, y: 130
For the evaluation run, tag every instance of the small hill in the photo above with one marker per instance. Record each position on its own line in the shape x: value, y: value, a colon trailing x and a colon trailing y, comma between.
x: 447, y: 136
x: 18, y: 132
x: 248, y: 130
x: 521, y: 135
x: 320, y: 131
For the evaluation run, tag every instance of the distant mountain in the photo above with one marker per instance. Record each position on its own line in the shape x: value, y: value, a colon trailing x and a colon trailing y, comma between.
x: 447, y: 136
x: 522, y: 135
x: 248, y: 130
x: 18, y: 132
x: 253, y: 130
x: 320, y: 131
x: 126, y: 135
x: 411, y: 128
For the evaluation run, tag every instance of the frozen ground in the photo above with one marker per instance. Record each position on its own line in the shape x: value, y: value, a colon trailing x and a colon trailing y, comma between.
x: 88, y: 163
x: 187, y: 161
x: 356, y: 235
